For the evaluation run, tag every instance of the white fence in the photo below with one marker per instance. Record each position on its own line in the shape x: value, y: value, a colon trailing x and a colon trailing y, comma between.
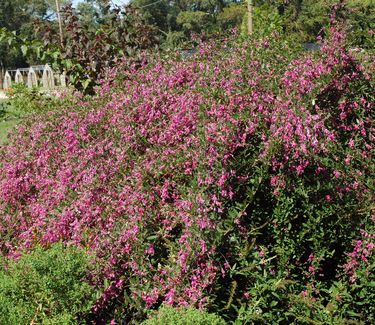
x: 35, y: 76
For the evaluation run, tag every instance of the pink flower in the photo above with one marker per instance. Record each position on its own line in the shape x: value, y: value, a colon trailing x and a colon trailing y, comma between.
x: 336, y: 173
x: 274, y: 180
x: 169, y: 297
x: 150, y: 250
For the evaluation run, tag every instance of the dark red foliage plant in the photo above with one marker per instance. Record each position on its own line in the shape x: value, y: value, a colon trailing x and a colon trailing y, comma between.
x: 86, y: 52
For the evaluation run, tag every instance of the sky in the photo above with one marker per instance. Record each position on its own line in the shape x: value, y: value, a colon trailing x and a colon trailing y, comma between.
x: 116, y: 2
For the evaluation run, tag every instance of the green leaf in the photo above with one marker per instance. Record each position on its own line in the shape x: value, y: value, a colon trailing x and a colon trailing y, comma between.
x: 352, y: 313
x: 86, y: 83
x: 24, y: 49
x: 55, y: 54
x: 68, y: 63
x: 273, y: 303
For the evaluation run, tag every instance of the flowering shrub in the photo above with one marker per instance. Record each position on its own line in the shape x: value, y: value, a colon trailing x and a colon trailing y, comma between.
x: 235, y: 180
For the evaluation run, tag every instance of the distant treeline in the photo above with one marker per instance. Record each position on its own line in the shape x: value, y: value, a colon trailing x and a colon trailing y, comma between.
x: 175, y: 21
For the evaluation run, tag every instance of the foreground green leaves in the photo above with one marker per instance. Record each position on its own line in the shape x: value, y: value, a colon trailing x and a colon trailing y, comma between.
x: 47, y: 286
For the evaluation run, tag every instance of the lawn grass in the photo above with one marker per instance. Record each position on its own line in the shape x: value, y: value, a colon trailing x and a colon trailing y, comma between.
x: 5, y: 127
x: 7, y: 121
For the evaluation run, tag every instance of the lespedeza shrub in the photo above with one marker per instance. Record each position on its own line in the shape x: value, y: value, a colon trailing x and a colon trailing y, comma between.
x: 236, y: 181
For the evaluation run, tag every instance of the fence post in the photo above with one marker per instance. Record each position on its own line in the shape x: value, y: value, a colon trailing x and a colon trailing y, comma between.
x: 32, y: 79
x: 48, y: 79
x: 18, y: 78
x: 63, y: 79
x: 7, y: 80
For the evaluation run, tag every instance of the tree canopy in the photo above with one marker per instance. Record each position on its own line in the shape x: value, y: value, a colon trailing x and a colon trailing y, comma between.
x: 18, y: 16
x: 175, y: 21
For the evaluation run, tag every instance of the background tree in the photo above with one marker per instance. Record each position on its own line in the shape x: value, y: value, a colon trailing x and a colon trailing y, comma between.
x: 266, y: 20
x: 305, y: 19
x: 158, y: 13
x: 176, y: 20
x: 361, y: 22
x: 231, y: 16
x: 94, y: 13
x: 18, y: 16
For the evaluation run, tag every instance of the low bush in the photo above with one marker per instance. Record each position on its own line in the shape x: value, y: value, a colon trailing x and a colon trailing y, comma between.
x: 23, y: 100
x: 47, y: 286
x: 183, y: 316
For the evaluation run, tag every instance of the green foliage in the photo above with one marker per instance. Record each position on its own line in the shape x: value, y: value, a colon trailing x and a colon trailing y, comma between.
x: 361, y: 23
x: 266, y: 20
x: 7, y: 120
x: 93, y: 13
x: 274, y: 298
x: 174, y: 39
x: 193, y: 21
x: 46, y: 286
x: 5, y: 126
x: 361, y: 293
x: 181, y: 16
x: 305, y: 19
x: 86, y: 53
x: 161, y: 14
x: 23, y: 100
x: 18, y: 16
x: 183, y: 316
x: 231, y: 16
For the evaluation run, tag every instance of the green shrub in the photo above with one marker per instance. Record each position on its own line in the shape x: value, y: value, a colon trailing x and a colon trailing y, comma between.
x: 46, y: 286
x: 183, y: 316
x: 23, y: 101
x: 174, y: 39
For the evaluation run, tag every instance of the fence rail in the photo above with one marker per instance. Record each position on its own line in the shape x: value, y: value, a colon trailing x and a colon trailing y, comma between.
x: 34, y: 76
